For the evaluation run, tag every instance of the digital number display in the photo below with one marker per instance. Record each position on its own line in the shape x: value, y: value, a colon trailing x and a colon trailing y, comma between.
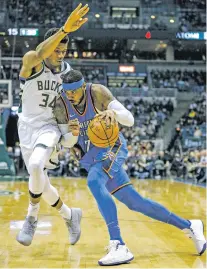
x: 28, y: 32
x: 23, y: 31
x: 13, y: 31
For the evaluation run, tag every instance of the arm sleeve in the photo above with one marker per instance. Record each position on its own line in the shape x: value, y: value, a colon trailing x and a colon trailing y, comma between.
x: 122, y: 115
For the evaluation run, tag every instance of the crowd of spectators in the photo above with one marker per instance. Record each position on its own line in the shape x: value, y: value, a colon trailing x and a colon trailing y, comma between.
x: 189, y: 20
x: 39, y: 12
x: 27, y: 13
x: 183, y: 80
x: 189, y: 141
x: 93, y: 74
x: 149, y: 116
x: 191, y: 4
x: 192, y: 14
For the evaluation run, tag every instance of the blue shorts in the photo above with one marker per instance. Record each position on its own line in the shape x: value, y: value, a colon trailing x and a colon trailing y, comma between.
x: 109, y: 166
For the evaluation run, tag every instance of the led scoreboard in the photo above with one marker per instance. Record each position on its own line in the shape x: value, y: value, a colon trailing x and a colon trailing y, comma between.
x: 23, y: 31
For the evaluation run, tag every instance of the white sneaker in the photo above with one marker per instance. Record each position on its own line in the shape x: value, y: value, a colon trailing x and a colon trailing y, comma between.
x: 117, y: 254
x: 196, y: 233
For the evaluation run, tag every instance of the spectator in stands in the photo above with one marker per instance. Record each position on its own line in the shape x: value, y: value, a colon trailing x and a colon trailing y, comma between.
x: 186, y: 80
x: 159, y: 168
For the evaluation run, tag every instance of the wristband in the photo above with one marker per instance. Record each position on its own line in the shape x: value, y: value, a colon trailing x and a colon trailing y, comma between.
x: 62, y: 29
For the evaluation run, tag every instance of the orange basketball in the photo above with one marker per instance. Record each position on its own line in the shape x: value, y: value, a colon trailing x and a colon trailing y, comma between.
x: 100, y: 135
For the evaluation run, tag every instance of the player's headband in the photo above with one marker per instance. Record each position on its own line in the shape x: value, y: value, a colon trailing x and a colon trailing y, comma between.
x: 73, y: 86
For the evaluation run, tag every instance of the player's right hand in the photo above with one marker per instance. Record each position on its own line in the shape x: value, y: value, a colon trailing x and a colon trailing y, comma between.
x: 75, y: 20
x: 74, y: 127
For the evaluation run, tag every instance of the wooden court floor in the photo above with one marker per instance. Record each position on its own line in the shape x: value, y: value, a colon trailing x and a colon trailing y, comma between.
x: 154, y: 244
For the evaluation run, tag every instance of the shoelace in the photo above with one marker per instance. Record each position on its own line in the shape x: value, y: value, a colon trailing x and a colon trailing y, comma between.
x: 29, y: 227
x: 188, y: 232
x: 108, y: 248
x: 74, y: 229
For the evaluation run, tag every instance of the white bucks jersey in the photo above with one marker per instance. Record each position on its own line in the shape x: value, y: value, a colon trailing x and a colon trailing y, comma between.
x: 39, y: 93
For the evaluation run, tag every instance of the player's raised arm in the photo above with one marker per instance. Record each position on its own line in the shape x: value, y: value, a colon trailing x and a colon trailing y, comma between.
x: 111, y: 109
x: 47, y: 47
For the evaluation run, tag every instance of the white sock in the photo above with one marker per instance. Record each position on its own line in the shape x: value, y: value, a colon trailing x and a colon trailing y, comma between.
x: 33, y: 210
x: 65, y: 212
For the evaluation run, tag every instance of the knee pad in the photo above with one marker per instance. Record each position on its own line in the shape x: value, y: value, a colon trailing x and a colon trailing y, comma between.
x: 37, y: 177
x: 35, y: 167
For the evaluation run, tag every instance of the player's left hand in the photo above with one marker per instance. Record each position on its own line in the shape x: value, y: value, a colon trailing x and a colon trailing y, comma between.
x: 108, y: 116
x: 76, y: 20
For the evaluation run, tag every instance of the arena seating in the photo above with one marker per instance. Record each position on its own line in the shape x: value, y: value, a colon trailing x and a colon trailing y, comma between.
x: 190, y: 15
x: 183, y: 80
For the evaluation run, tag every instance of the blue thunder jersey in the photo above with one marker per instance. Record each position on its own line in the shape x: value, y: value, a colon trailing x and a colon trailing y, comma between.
x: 113, y: 157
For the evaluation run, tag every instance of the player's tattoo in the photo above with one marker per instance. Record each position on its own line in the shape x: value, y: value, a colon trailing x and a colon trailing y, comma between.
x: 101, y: 96
x: 60, y: 112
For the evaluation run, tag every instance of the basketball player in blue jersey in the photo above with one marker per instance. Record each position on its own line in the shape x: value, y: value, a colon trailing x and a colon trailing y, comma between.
x: 41, y: 82
x: 78, y: 105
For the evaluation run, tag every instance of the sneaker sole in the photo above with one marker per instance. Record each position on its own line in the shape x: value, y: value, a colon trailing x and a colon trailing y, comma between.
x: 204, y: 246
x: 116, y: 263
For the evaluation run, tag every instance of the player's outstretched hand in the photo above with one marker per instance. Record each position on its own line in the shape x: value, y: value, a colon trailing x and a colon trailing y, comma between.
x: 76, y: 20
x: 108, y: 116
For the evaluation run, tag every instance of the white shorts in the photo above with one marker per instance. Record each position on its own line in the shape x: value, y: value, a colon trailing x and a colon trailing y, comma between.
x: 52, y: 163
x: 29, y: 136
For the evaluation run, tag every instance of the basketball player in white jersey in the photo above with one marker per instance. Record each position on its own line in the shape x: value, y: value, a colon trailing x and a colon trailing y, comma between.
x: 37, y: 127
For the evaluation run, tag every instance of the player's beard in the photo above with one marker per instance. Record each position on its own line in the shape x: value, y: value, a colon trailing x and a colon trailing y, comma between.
x: 83, y: 96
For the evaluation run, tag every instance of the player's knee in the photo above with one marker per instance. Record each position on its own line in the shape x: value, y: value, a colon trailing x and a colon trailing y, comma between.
x: 92, y: 183
x: 35, y: 167
x: 142, y: 205
x: 132, y: 206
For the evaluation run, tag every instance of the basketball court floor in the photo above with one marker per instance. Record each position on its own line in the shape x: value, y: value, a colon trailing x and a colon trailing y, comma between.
x: 154, y: 244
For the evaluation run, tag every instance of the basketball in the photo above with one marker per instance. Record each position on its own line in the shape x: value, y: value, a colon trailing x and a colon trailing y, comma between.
x: 101, y: 135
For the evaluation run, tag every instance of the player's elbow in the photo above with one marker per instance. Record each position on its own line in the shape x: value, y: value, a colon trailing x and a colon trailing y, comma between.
x: 130, y: 121
x: 40, y: 55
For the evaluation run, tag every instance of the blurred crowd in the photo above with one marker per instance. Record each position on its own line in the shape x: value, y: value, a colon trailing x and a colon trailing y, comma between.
x: 189, y: 20
x: 189, y: 141
x: 149, y: 116
x: 56, y: 13
x: 93, y: 74
x: 183, y: 80
x: 191, y: 4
